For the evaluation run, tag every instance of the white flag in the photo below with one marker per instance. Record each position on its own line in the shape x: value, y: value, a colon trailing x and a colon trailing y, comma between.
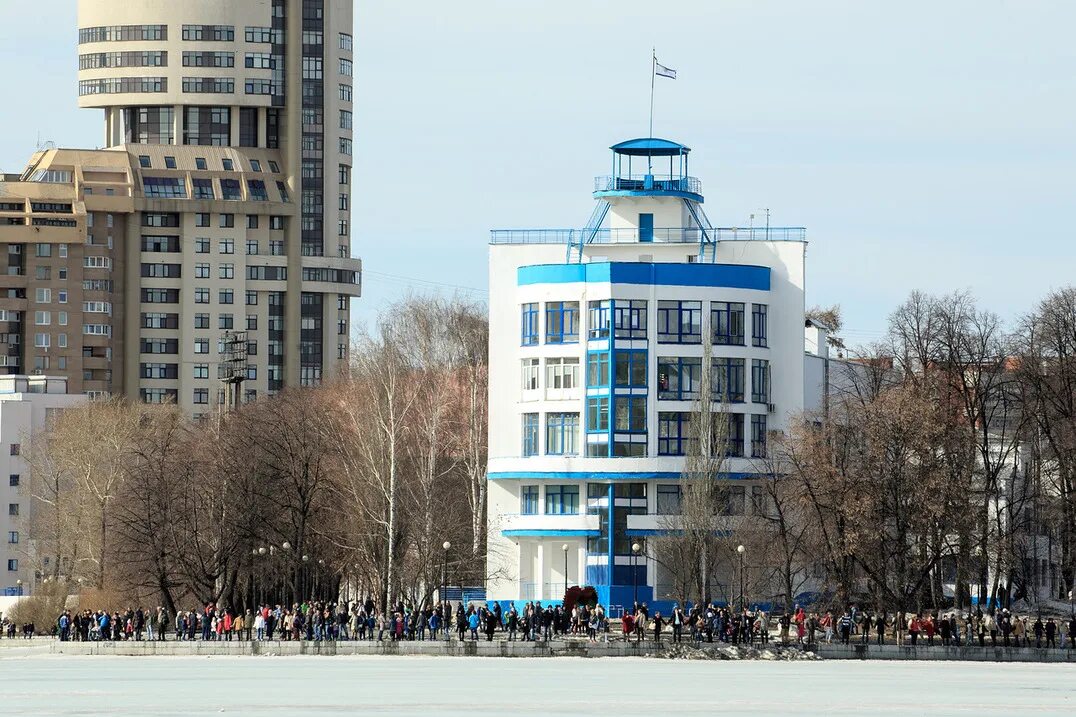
x: 662, y: 71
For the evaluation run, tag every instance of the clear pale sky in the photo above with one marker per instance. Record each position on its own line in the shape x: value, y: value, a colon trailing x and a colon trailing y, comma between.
x: 924, y: 144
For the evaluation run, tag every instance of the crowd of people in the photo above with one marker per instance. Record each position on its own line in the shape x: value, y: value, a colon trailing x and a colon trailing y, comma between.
x: 363, y: 620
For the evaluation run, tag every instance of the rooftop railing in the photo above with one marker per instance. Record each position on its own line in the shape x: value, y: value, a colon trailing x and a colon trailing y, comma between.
x: 676, y: 235
x: 648, y: 183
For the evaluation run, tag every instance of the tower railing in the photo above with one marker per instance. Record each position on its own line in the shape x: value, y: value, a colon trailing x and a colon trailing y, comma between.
x: 648, y: 183
x: 630, y: 235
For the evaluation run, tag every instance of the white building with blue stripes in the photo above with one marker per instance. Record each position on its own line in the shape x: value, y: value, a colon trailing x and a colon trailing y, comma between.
x: 597, y: 339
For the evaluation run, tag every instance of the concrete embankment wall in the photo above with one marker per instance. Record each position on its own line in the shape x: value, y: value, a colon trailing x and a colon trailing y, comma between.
x: 557, y: 648
x: 938, y: 652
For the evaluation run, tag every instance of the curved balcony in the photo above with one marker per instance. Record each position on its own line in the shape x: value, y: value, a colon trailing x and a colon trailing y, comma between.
x: 631, y: 235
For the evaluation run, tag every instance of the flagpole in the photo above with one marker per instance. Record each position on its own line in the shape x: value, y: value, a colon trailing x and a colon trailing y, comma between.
x: 653, y: 74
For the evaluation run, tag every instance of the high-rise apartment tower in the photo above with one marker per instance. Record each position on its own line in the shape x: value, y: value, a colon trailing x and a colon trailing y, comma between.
x: 217, y: 214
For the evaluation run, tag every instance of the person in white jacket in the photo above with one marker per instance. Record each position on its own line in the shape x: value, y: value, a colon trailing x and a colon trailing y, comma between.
x: 259, y: 626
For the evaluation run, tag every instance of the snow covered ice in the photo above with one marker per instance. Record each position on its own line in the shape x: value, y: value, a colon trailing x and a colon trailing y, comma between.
x: 431, y: 686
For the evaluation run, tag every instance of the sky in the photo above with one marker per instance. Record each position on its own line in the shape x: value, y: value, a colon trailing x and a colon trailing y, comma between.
x: 925, y: 145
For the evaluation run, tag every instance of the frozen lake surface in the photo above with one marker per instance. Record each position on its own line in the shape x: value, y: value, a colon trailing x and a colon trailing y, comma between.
x: 450, y: 687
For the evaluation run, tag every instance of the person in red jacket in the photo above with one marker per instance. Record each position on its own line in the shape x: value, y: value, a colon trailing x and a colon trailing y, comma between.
x: 627, y: 623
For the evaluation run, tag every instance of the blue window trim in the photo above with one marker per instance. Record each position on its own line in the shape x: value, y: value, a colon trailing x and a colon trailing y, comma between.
x: 759, y: 322
x: 758, y: 436
x: 679, y: 312
x: 634, y: 357
x: 727, y: 323
x: 528, y: 500
x: 562, y: 500
x: 734, y: 439
x: 608, y: 371
x: 564, y: 314
x: 760, y: 381
x: 680, y: 362
x: 730, y: 276
x: 597, y: 401
x: 631, y: 401
x: 630, y: 318
x: 673, y: 432
x: 562, y: 429
x: 550, y: 533
x: 529, y: 324
x: 529, y: 445
x: 734, y: 369
x: 598, y: 314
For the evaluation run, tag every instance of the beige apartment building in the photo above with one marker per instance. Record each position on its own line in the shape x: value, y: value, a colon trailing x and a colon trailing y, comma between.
x: 213, y: 226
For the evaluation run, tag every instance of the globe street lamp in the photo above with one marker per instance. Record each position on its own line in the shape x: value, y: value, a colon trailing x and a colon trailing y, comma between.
x: 635, y: 548
x: 564, y: 548
x: 741, y: 550
x: 18, y: 584
x: 444, y: 569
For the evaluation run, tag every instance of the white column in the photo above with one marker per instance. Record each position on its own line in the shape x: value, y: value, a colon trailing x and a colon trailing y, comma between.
x: 581, y: 563
x: 540, y: 578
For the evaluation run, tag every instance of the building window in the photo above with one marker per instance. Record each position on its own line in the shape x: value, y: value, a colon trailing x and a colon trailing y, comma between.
x: 13, y: 509
x: 201, y: 295
x: 561, y: 373
x: 562, y: 434
x: 727, y: 379
x: 13, y: 565
x: 726, y: 323
x: 530, y: 374
x: 528, y: 500
x: 201, y: 396
x: 598, y: 414
x: 674, y: 434
x: 758, y: 436
x: 529, y: 324
x: 668, y: 500
x: 734, y: 501
x: 226, y: 271
x: 598, y: 369
x: 13, y: 537
x: 562, y: 500
x: 631, y: 369
x: 226, y: 246
x: 630, y: 414
x: 629, y: 319
x: 598, y: 319
x: 15, y: 448
x: 734, y: 436
x: 760, y: 381
x: 13, y: 480
x: 201, y: 346
x: 345, y: 93
x: 226, y: 296
x: 562, y: 322
x: 201, y: 271
x: 679, y: 378
x: 201, y: 370
x: 758, y: 325
x: 346, y: 42
x: 530, y: 434
x: 679, y: 322
x: 345, y: 67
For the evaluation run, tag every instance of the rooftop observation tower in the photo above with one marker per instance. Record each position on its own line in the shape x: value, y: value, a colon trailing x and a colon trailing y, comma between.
x: 649, y: 197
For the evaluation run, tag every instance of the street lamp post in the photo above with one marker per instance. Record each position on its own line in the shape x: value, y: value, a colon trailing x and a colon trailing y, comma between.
x: 741, y: 550
x: 565, y: 549
x: 18, y: 584
x: 635, y: 548
x: 444, y: 570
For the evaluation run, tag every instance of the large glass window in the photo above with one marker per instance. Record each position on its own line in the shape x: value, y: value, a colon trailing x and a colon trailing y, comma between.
x: 734, y: 437
x: 207, y: 126
x: 598, y: 414
x: 530, y: 434
x: 759, y: 320
x: 598, y: 319
x: 562, y: 499
x: 630, y: 414
x: 679, y: 378
x: 760, y: 381
x: 530, y: 374
x: 679, y: 322
x: 629, y: 319
x: 631, y: 369
x: 562, y: 434
x: 529, y: 319
x: 561, y: 373
x: 668, y: 500
x: 528, y: 500
x: 726, y: 323
x: 734, y: 500
x: 674, y: 433
x: 598, y: 369
x: 561, y: 322
x: 727, y: 379
x: 758, y: 436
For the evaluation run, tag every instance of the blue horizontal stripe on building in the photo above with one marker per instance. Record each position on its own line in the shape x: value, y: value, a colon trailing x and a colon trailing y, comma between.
x: 730, y: 276
x: 602, y: 476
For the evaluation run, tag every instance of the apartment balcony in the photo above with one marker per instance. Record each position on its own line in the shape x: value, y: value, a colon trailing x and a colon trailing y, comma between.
x: 632, y: 235
x: 549, y: 526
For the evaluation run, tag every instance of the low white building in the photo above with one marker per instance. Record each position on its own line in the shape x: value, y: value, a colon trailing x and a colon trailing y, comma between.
x: 26, y: 402
x: 597, y: 339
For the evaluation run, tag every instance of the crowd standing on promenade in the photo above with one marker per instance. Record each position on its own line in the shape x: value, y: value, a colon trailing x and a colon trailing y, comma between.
x: 363, y: 620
